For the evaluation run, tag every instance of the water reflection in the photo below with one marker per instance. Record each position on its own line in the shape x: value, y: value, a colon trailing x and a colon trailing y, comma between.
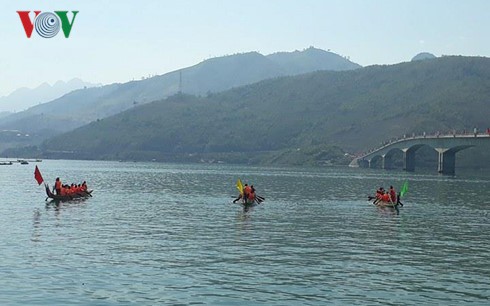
x: 36, y: 224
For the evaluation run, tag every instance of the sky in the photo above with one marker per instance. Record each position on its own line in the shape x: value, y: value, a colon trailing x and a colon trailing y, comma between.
x: 118, y: 41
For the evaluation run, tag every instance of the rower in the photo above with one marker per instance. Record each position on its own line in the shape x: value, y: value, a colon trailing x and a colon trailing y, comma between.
x: 246, y: 191
x: 57, y: 186
x: 392, y: 194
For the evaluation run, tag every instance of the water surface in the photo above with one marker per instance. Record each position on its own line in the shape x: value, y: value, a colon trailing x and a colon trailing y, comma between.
x: 168, y: 234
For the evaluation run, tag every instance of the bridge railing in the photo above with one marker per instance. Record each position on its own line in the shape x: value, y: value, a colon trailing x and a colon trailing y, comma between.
x: 436, y: 135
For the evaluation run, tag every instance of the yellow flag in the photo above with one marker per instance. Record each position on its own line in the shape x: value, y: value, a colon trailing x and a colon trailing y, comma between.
x: 239, y: 186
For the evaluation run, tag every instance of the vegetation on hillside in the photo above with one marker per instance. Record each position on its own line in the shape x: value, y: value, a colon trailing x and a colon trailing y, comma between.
x: 83, y: 106
x: 351, y: 110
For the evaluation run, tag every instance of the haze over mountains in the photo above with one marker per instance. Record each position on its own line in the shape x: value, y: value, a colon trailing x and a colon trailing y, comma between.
x: 82, y: 106
x: 354, y: 110
x: 24, y: 98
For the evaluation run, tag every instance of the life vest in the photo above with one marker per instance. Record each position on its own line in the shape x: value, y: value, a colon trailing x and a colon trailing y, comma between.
x: 251, y: 196
x: 247, y: 190
x: 57, y: 185
x: 386, y: 197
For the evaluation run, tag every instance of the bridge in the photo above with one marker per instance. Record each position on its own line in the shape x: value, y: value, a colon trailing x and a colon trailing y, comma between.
x: 446, y: 146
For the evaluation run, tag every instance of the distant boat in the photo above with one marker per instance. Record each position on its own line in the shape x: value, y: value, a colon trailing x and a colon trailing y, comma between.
x: 6, y: 163
x: 24, y: 162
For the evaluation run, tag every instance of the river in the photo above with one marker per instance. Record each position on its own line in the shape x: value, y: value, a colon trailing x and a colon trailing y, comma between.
x: 168, y: 234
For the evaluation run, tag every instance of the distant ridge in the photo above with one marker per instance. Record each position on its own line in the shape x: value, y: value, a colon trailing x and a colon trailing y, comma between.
x: 82, y: 106
x: 24, y: 98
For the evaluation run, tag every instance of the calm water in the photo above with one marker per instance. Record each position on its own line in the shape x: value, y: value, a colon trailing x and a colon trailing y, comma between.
x: 159, y: 234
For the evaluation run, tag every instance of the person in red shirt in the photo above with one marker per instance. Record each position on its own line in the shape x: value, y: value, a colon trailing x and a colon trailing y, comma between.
x: 393, y: 194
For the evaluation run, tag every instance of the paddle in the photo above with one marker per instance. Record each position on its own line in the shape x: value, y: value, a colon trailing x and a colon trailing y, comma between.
x: 403, y: 190
x: 239, y: 186
x: 259, y: 199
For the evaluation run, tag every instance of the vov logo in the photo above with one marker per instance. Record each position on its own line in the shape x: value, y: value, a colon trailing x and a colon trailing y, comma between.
x: 47, y: 24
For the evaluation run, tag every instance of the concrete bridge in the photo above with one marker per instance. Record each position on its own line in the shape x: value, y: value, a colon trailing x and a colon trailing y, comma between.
x: 445, y: 145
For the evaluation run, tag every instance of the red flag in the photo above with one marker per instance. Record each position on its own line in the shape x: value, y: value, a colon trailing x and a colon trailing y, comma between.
x: 38, y: 176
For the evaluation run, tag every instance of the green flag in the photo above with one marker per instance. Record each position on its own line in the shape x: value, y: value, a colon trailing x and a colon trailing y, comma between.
x: 404, y: 189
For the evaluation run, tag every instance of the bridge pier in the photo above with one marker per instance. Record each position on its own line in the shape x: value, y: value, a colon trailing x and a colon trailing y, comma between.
x: 408, y: 160
x: 363, y: 163
x: 447, y: 161
x: 387, y: 161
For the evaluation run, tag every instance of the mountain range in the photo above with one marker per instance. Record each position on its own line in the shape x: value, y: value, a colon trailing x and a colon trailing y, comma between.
x: 24, y: 98
x: 83, y: 106
x: 352, y: 110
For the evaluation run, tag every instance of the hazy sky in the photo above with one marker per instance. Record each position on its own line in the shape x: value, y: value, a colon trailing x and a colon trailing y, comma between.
x: 117, y: 41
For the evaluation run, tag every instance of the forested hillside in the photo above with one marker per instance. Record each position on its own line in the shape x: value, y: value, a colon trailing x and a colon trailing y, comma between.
x: 85, y: 105
x: 353, y: 110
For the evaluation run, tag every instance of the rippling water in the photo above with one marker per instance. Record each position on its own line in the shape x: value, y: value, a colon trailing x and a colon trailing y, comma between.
x: 168, y: 234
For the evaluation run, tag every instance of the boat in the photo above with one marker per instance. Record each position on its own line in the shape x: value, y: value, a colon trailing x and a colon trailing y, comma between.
x: 63, y: 198
x: 23, y: 162
x: 385, y: 204
x: 248, y: 202
x: 6, y: 163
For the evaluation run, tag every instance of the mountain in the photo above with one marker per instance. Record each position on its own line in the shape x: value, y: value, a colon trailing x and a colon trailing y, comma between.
x: 423, y: 56
x: 24, y: 98
x: 354, y: 110
x: 213, y: 75
x: 311, y: 59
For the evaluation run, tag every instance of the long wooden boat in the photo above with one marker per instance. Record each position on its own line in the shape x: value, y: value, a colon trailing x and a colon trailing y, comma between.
x: 63, y: 198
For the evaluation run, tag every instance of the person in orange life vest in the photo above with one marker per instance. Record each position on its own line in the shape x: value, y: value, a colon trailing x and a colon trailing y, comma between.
x: 385, y: 197
x: 246, y: 190
x: 251, y: 194
x: 392, y: 194
x: 63, y: 190
x: 57, y: 186
x: 379, y: 192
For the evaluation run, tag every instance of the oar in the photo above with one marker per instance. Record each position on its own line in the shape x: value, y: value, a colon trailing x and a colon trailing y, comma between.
x: 395, y: 206
x: 398, y: 200
x: 259, y: 199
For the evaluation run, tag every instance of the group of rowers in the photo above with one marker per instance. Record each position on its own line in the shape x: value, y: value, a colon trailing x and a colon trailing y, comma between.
x: 66, y: 190
x: 248, y: 194
x: 387, y: 196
